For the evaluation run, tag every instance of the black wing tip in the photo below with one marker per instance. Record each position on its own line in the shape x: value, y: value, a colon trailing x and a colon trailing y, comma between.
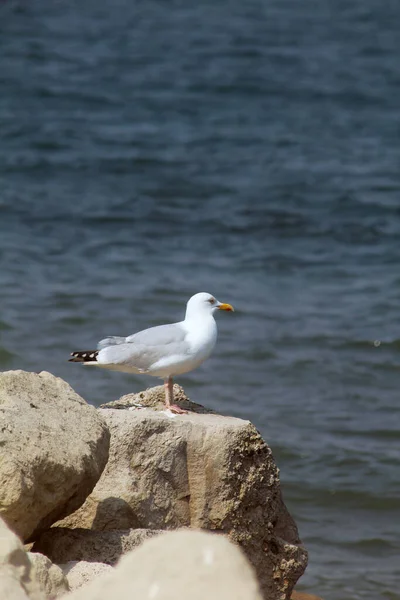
x: 84, y: 356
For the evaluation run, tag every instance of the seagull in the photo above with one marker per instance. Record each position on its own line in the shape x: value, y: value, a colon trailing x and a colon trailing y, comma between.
x: 164, y: 351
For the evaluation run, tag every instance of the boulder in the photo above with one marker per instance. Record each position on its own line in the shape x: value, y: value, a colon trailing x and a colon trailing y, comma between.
x: 50, y: 577
x: 63, y: 545
x: 154, y: 397
x: 54, y: 447
x: 303, y: 596
x: 196, y: 470
x: 177, y: 566
x: 17, y: 578
x: 82, y: 572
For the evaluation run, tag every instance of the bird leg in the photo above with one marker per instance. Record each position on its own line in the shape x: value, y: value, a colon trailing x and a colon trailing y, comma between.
x: 169, y: 397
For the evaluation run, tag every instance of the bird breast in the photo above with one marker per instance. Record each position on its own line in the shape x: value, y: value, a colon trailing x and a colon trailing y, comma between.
x: 202, y: 336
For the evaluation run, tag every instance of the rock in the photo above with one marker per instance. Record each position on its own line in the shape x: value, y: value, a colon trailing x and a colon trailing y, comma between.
x: 50, y: 577
x: 54, y: 449
x: 63, y: 545
x: 196, y: 470
x: 17, y: 578
x: 82, y: 572
x: 177, y: 566
x: 154, y: 397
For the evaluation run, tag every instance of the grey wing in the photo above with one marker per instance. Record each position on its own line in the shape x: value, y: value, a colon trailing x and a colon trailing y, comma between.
x: 147, y: 347
x: 113, y: 340
x: 159, y: 336
x: 135, y: 356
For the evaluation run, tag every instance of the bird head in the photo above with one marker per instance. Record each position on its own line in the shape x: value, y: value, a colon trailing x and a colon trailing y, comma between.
x: 204, y: 303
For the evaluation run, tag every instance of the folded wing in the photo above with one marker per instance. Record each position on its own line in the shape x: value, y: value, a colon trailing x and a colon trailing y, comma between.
x: 142, y: 350
x: 113, y: 340
x: 162, y: 335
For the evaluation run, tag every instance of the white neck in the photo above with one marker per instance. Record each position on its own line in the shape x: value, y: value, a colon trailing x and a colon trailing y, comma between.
x: 198, y: 313
x: 202, y: 331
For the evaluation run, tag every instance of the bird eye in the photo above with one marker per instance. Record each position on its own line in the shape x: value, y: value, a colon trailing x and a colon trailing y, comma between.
x: 211, y: 300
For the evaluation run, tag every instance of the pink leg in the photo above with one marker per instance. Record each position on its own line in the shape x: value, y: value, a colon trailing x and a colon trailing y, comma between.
x: 169, y: 397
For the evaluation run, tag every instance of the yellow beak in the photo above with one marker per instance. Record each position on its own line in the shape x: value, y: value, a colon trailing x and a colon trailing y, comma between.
x: 226, y: 307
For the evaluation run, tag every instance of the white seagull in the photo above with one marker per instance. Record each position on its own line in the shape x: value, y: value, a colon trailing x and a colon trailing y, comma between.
x: 163, y: 351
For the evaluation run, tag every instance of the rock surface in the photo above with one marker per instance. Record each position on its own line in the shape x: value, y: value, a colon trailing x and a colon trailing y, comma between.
x: 17, y: 578
x: 176, y: 566
x: 50, y: 577
x: 198, y: 470
x: 82, y: 572
x: 304, y: 596
x: 63, y: 545
x: 54, y: 448
x: 154, y: 397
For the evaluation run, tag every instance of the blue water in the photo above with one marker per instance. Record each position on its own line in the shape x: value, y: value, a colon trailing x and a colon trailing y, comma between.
x: 151, y: 150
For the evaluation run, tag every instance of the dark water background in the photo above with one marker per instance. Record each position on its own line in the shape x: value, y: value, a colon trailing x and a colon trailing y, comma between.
x: 151, y: 150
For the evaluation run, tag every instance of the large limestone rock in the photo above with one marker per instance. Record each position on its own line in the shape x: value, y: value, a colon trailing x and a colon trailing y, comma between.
x: 54, y: 447
x: 17, y: 579
x: 178, y: 566
x: 82, y: 572
x: 63, y: 545
x: 197, y: 470
x: 50, y: 577
x: 303, y: 596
